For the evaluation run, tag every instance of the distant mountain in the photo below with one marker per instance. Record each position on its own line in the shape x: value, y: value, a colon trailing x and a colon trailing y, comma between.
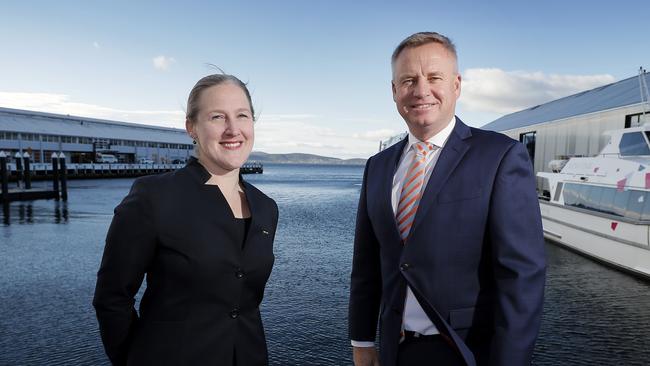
x: 297, y: 158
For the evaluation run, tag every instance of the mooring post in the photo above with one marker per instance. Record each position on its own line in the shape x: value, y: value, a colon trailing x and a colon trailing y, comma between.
x: 19, y: 168
x: 5, y: 177
x: 64, y: 177
x: 55, y: 175
x: 28, y: 175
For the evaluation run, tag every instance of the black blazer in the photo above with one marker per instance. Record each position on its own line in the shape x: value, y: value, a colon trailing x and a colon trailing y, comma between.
x: 201, y: 304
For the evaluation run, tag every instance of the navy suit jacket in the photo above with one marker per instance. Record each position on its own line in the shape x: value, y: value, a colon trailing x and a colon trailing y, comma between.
x: 475, y: 257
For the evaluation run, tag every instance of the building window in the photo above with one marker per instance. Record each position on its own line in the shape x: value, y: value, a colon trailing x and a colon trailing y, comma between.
x: 50, y: 138
x: 528, y: 139
x: 635, y: 120
x: 36, y: 156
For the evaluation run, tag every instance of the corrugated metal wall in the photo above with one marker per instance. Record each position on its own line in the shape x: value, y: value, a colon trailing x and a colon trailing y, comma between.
x: 579, y: 135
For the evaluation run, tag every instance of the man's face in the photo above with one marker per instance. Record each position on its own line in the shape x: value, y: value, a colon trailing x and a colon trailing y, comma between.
x: 426, y: 85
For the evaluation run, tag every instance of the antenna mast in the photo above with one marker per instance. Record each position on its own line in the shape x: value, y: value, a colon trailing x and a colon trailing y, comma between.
x: 645, y: 96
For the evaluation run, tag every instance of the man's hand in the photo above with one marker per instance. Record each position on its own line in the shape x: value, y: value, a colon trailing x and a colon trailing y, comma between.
x: 365, y: 356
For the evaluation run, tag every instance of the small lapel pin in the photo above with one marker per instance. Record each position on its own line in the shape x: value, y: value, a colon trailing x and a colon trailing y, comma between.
x: 265, y: 232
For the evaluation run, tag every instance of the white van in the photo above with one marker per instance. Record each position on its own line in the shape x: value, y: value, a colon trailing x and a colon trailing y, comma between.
x: 105, y: 158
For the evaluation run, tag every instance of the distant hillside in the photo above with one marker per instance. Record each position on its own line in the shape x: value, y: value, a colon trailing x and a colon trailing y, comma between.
x: 296, y: 158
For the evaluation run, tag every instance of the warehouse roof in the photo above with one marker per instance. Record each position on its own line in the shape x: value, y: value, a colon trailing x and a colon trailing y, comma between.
x: 619, y: 94
x: 16, y: 120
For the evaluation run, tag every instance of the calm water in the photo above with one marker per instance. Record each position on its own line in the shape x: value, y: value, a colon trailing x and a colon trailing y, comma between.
x: 50, y: 252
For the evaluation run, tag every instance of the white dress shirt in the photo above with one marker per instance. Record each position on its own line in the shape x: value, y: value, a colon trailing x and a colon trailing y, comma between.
x: 415, y: 319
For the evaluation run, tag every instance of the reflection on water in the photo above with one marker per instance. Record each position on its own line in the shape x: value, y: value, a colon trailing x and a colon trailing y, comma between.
x: 5, y: 213
x: 593, y: 315
x: 61, y: 212
x: 22, y: 212
x: 50, y: 253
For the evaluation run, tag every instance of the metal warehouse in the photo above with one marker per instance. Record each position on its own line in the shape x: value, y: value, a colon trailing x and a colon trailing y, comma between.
x: 82, y: 139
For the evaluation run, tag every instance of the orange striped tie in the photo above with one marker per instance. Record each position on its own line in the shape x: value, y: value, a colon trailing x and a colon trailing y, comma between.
x: 412, y: 189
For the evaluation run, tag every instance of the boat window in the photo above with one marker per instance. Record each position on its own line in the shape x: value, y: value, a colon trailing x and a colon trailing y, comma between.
x: 636, y: 204
x: 632, y: 204
x: 606, y: 204
x: 592, y: 198
x: 570, y: 195
x: 558, y: 190
x: 581, y: 195
x: 633, y: 143
x: 645, y: 214
x: 620, y: 202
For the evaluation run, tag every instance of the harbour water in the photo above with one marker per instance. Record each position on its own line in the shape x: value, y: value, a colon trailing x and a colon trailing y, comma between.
x: 50, y: 252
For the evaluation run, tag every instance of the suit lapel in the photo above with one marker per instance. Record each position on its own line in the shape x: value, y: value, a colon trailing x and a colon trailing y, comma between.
x: 212, y: 200
x: 451, y: 154
x: 253, y: 200
x: 212, y: 193
x: 387, y: 175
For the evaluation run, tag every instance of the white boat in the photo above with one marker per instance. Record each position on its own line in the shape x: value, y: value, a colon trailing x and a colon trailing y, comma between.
x: 600, y: 206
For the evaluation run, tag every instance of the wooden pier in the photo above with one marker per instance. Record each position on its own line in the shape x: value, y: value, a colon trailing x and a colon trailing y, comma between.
x: 23, y: 179
x: 21, y: 194
x: 252, y: 168
x: 40, y: 172
x: 22, y: 172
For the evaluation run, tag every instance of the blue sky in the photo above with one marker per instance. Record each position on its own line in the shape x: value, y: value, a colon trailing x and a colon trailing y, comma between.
x: 319, y: 71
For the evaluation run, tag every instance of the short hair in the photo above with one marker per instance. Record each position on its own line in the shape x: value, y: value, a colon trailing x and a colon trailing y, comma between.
x: 422, y: 38
x: 207, y: 82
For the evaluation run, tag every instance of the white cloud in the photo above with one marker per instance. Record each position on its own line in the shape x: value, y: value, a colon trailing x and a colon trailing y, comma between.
x: 62, y: 104
x: 162, y: 62
x: 96, y: 45
x: 376, y: 135
x: 497, y: 91
x: 274, y: 133
x: 287, y: 117
x: 287, y: 133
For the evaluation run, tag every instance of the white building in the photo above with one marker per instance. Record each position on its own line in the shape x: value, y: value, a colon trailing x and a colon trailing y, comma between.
x: 80, y: 139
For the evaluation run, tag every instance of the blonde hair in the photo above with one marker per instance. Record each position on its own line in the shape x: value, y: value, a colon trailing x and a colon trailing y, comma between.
x: 422, y: 38
x: 207, y: 82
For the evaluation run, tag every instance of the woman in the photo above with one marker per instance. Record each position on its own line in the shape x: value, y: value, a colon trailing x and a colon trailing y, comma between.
x: 203, y: 237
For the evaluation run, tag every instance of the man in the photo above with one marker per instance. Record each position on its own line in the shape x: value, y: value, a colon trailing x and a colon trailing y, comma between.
x: 449, y: 250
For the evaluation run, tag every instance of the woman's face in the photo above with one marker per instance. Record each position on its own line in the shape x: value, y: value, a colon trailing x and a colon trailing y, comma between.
x: 223, y: 129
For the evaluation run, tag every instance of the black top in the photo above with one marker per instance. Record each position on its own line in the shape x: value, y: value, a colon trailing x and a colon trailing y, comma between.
x: 241, y: 229
x: 203, y: 287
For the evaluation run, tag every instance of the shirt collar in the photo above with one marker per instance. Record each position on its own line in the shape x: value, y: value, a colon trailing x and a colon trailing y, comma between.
x: 200, y: 174
x: 438, y: 139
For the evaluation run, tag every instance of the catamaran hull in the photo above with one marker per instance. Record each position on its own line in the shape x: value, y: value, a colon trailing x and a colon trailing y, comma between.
x: 620, y: 244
